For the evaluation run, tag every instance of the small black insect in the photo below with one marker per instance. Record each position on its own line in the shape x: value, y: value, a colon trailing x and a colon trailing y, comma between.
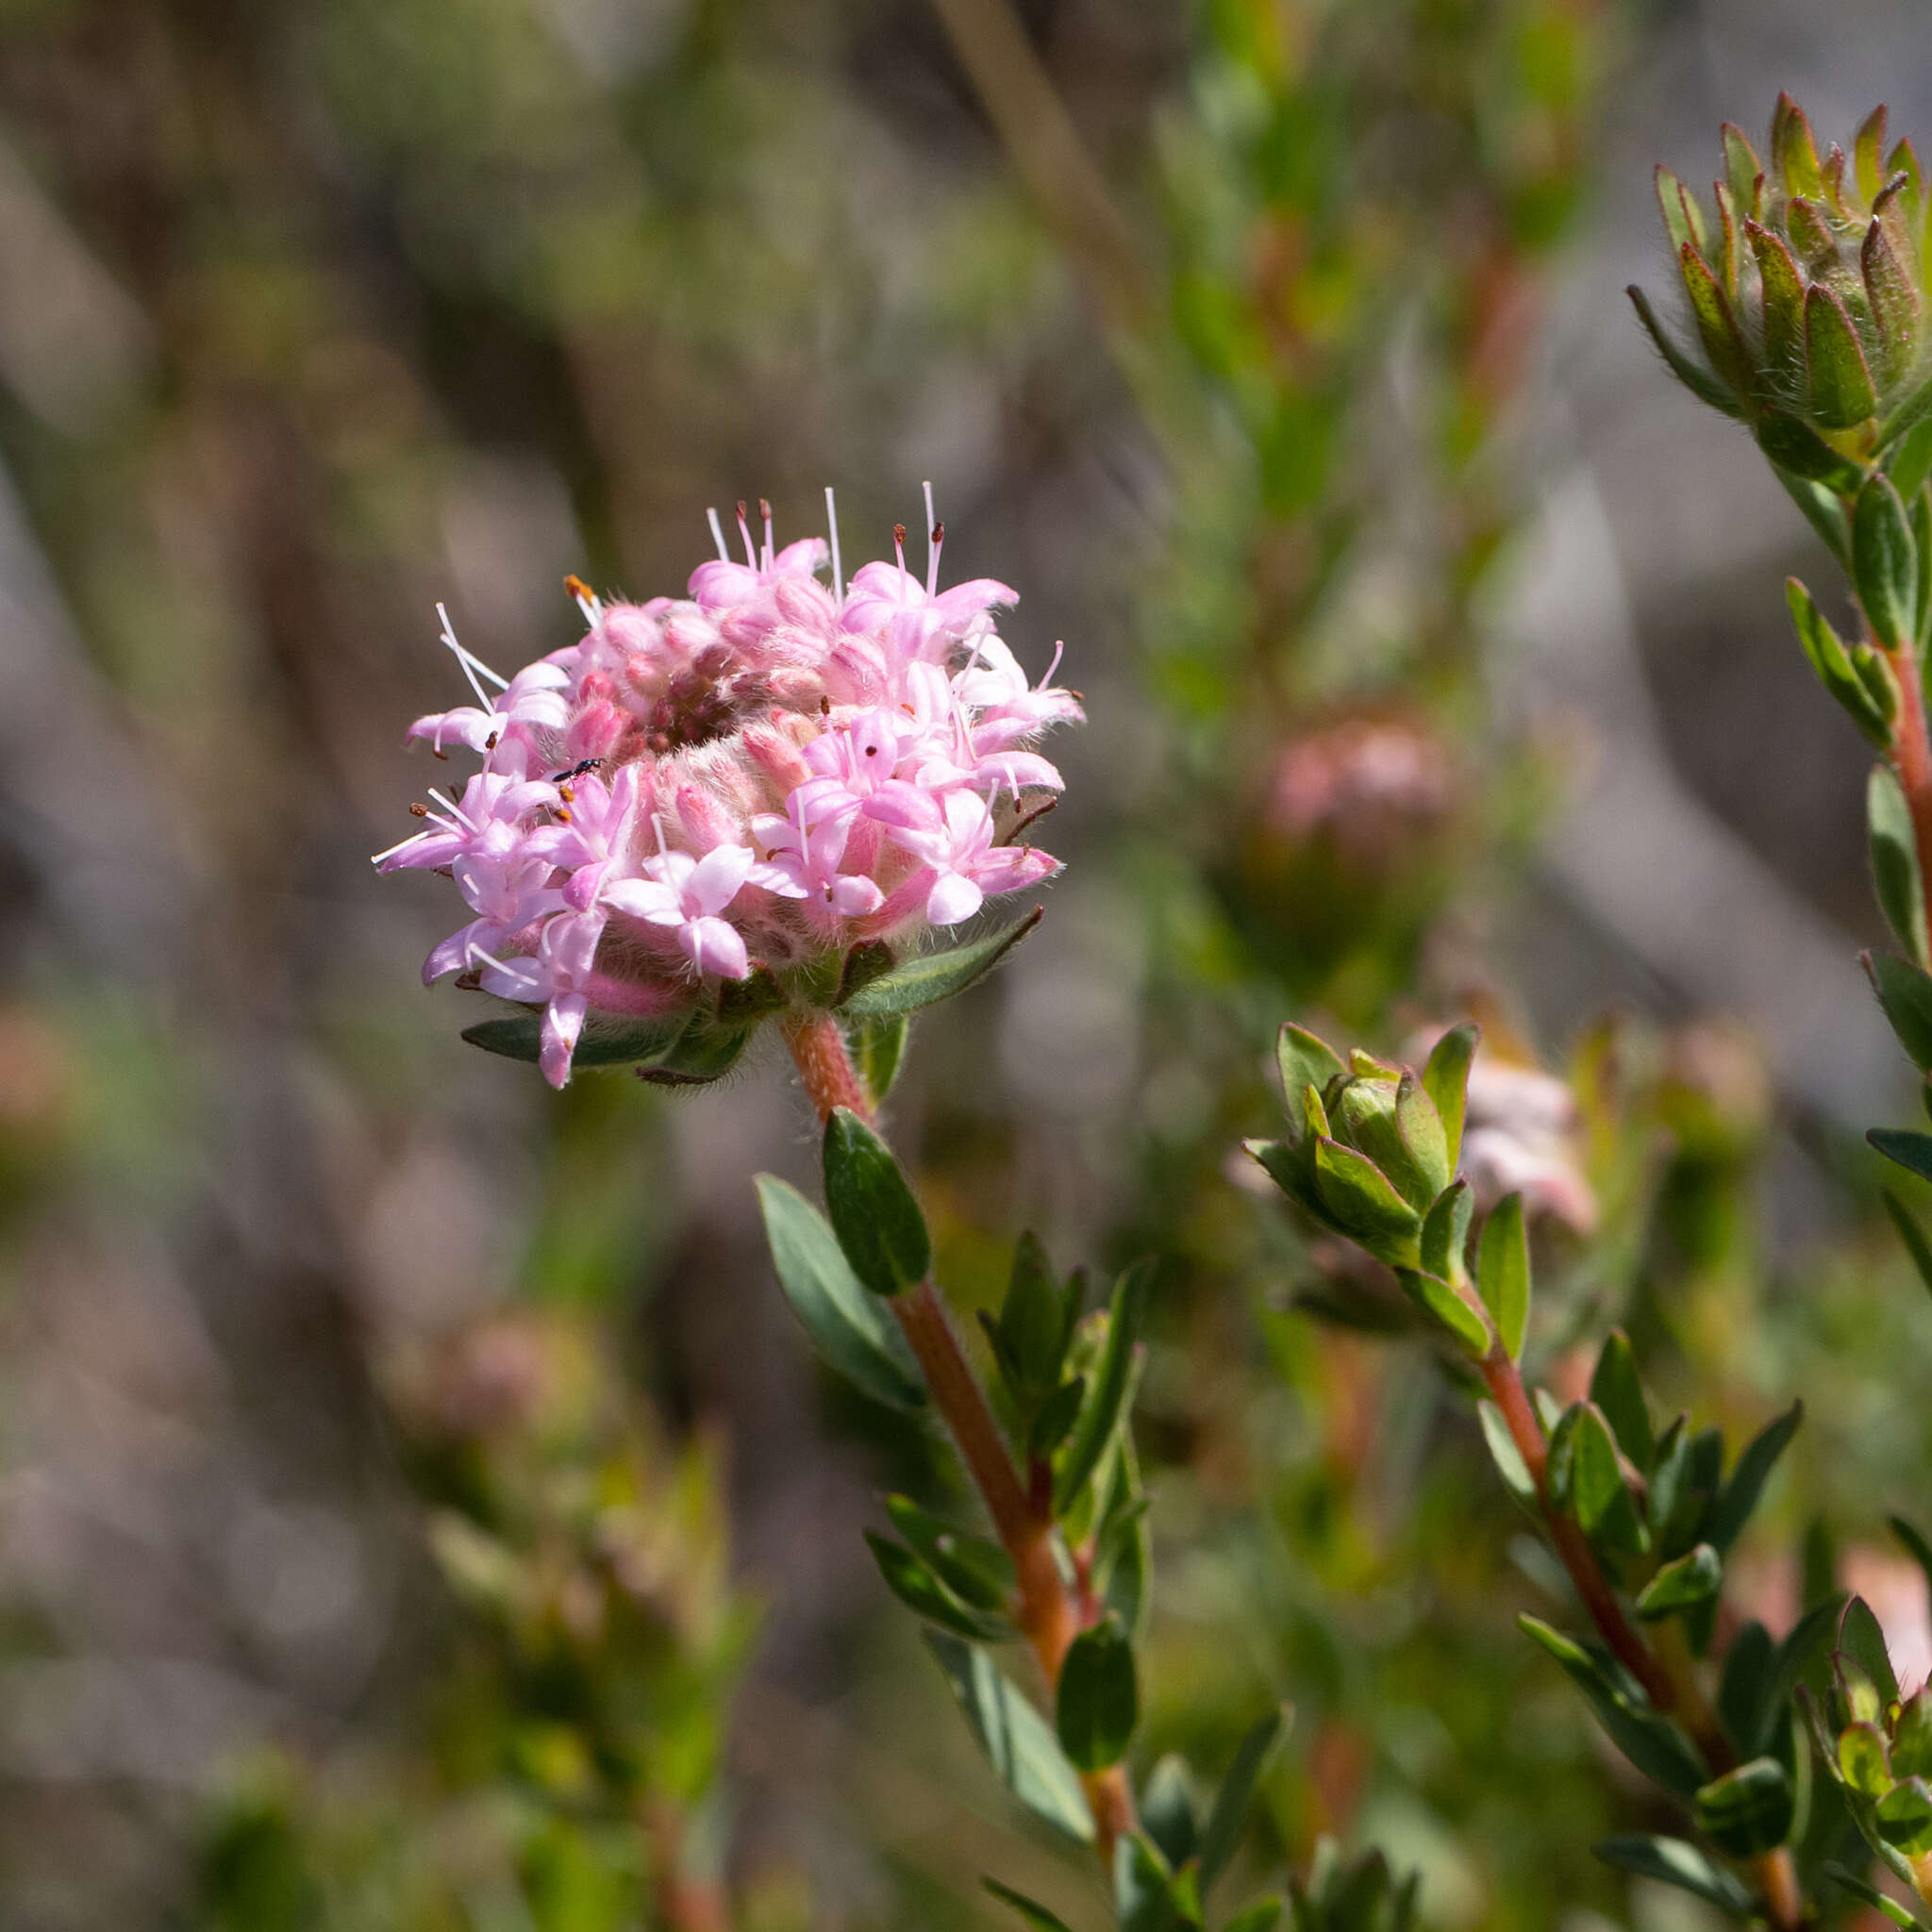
x: 576, y: 770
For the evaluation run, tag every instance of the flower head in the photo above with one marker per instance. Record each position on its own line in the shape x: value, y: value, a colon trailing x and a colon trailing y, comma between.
x: 751, y: 780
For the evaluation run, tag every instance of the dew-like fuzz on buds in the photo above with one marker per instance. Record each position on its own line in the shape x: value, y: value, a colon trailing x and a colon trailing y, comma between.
x: 754, y: 778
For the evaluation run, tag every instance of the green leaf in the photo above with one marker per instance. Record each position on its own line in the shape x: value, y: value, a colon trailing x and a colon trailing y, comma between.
x: 878, y: 1048
x: 1057, y: 1414
x: 1862, y: 1759
x: 1030, y: 1909
x: 1671, y: 1861
x: 1895, y: 875
x: 1912, y: 1152
x: 1746, y: 1693
x: 1364, y: 1202
x: 1599, y: 1495
x: 605, y: 1042
x: 1652, y: 1743
x: 1506, y: 1455
x: 1502, y: 1271
x: 1167, y: 1809
x: 1829, y: 658
x: 1616, y: 1390
x: 1804, y: 1644
x: 1911, y: 1741
x: 1904, y: 1816
x: 1847, y: 1880
x: 1445, y: 1305
x: 1748, y: 1811
x: 936, y: 976
x: 1237, y: 1794
x: 1262, y: 1916
x: 1444, y: 1238
x: 1740, y: 1495
x: 1797, y: 447
x: 921, y: 1592
x: 1098, y: 1702
x: 847, y: 1326
x: 1716, y: 327
x: 1909, y: 465
x: 1885, y: 564
x: 704, y: 1052
x: 1824, y: 509
x: 1420, y: 1128
x: 1905, y: 993
x: 1841, y: 392
x: 1445, y: 1080
x: 1099, y: 1415
x: 1692, y: 1580
x: 1305, y: 1061
x: 1147, y: 1896
x: 1018, y: 1742
x: 1032, y: 1329
x: 1916, y: 1546
x: 872, y: 1209
x: 1793, y: 153
x: 1742, y: 169
x: 1700, y: 382
x: 1783, y: 310
x: 1861, y: 1637
x: 979, y: 1573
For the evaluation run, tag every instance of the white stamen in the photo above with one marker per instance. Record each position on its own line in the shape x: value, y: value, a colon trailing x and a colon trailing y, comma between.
x: 402, y: 845
x: 1059, y: 646
x: 718, y: 536
x: 471, y: 663
x: 456, y: 812
x: 837, y: 576
x: 751, y: 555
x: 771, y: 550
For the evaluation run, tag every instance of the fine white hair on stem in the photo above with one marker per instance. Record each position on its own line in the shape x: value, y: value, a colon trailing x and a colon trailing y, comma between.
x: 718, y: 536
x: 837, y: 571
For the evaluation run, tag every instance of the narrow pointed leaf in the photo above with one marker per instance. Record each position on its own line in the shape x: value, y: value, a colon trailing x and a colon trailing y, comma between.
x: 1825, y: 652
x: 935, y: 976
x: 1699, y: 381
x: 1445, y: 1238
x: 1652, y: 1743
x: 1895, y: 304
x: 872, y: 1209
x: 979, y: 1573
x: 1740, y: 1495
x: 1885, y: 562
x: 878, y: 1049
x: 1867, y: 155
x: 1099, y: 1415
x: 1362, y: 1198
x: 1912, y: 1152
x: 1783, y: 291
x: 1616, y: 1390
x: 1444, y: 1306
x: 1506, y: 1455
x: 1503, y: 1271
x: 1742, y: 169
x: 1030, y: 1909
x: 1445, y: 1080
x: 1599, y: 1495
x: 1218, y: 1841
x: 605, y: 1042
x: 921, y: 1592
x: 1841, y: 392
x: 1904, y: 991
x: 1018, y: 1742
x: 1863, y: 1890
x: 1694, y: 1579
x: 1671, y: 1861
x: 1716, y: 326
x: 1895, y: 876
x: 848, y: 1326
x: 1305, y: 1061
x: 1793, y: 153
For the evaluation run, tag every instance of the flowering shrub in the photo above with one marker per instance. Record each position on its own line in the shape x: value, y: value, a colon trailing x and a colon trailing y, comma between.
x: 713, y: 806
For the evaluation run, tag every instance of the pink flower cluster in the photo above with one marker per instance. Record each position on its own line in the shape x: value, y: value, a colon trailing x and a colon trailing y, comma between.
x: 766, y: 771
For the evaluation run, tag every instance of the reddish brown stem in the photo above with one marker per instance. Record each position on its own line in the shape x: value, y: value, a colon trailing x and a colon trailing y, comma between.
x: 1667, y: 1682
x: 1911, y: 758
x: 1047, y: 1613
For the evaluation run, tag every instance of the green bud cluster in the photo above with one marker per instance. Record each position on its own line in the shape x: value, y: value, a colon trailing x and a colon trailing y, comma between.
x: 1370, y: 1154
x: 1806, y: 289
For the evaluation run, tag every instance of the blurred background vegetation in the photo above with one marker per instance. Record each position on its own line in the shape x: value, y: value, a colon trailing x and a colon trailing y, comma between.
x: 416, y: 1508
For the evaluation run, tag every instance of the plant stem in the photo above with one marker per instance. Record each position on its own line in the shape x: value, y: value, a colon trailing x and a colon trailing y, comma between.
x: 1047, y: 1612
x: 1911, y: 759
x: 1667, y: 1680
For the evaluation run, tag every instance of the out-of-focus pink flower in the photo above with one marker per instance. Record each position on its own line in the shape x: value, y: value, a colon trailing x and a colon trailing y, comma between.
x: 767, y: 770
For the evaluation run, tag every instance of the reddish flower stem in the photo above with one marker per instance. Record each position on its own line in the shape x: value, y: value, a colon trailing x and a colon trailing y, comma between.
x: 1047, y: 1612
x: 1911, y: 758
x: 1667, y: 1680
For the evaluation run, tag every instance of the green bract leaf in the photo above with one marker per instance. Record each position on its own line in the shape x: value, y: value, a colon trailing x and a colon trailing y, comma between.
x: 1364, y: 1203
x: 1446, y: 1307
x: 1885, y: 563
x: 1098, y: 1701
x: 1904, y: 991
x: 1671, y: 1861
x: 1829, y: 658
x: 1903, y: 1816
x: 1841, y: 392
x: 1694, y: 1579
x: 1033, y: 1330
x: 1599, y: 1495
x: 1237, y: 1792
x: 848, y: 1326
x: 1652, y: 1743
x: 1911, y: 1741
x: 1305, y: 1061
x: 1863, y: 1761
x: 1716, y: 327
x: 936, y: 976
x: 1747, y: 1687
x: 1850, y: 1881
x: 1167, y: 1809
x: 1506, y: 1455
x: 1101, y: 1414
x: 1912, y: 1152
x: 1018, y: 1742
x: 1861, y: 1637
x: 1057, y: 1414
x: 921, y: 1592
x: 979, y: 1573
x: 1700, y: 382
x: 1445, y: 1080
x: 1824, y: 509
x: 1748, y: 1811
x: 1445, y: 1238
x: 1797, y: 447
x: 1147, y: 1896
x: 1030, y: 1909
x: 605, y: 1042
x: 872, y: 1209
x: 878, y: 1047
x: 1895, y: 862
x: 704, y: 1052
x: 1740, y: 1495
x: 1616, y: 1390
x: 1503, y: 1271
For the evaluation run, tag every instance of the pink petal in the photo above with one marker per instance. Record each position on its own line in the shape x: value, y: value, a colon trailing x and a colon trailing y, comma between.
x: 954, y: 897
x: 719, y: 875
x: 563, y: 1024
x: 648, y: 899
x: 715, y: 945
